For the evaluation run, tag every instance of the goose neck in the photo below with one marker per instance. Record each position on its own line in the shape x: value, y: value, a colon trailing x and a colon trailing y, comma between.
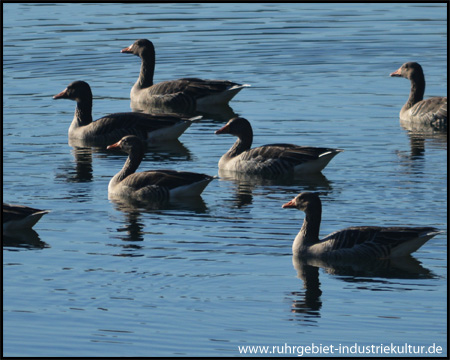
x: 83, y: 114
x: 243, y: 143
x: 416, y: 93
x: 131, y: 164
x: 147, y: 68
x: 309, y: 232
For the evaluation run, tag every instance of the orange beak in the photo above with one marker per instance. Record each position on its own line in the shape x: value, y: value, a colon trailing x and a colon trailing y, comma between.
x: 290, y: 204
x: 397, y: 72
x: 61, y: 95
x: 126, y: 50
x: 114, y: 146
x: 223, y: 130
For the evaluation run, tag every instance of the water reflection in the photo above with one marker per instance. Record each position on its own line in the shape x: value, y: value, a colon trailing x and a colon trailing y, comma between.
x: 80, y: 170
x: 193, y: 204
x: 133, y: 228
x: 371, y: 275
x: 23, y: 239
x: 419, y: 135
x: 246, y: 183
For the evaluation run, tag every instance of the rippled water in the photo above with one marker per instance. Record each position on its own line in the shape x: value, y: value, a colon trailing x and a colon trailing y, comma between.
x: 204, y: 277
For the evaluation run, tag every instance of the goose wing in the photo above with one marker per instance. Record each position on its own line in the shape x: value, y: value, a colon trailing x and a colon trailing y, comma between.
x: 193, y: 87
x: 113, y: 127
x: 283, y: 158
x: 370, y: 242
x: 432, y: 110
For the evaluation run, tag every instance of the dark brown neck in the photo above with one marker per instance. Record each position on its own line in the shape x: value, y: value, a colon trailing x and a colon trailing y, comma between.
x: 416, y: 93
x: 147, y: 68
x: 134, y: 160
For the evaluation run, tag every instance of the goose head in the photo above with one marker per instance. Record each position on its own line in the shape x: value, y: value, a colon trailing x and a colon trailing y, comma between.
x: 128, y: 144
x: 237, y: 126
x: 409, y: 70
x: 303, y: 201
x: 139, y: 47
x: 78, y: 90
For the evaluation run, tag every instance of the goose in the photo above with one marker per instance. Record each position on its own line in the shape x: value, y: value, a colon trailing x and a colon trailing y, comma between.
x: 186, y: 93
x: 19, y: 217
x: 357, y: 243
x: 273, y: 159
x: 152, y: 185
x: 112, y: 127
x: 432, y: 111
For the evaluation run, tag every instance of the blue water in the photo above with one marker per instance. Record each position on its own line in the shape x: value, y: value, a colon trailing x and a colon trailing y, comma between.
x: 203, y: 278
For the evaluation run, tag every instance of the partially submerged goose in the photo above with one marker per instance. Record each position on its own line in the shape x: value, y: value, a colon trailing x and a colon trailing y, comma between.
x: 186, y: 93
x: 112, y: 127
x: 273, y: 159
x: 357, y: 243
x: 432, y: 111
x: 19, y: 217
x: 152, y: 185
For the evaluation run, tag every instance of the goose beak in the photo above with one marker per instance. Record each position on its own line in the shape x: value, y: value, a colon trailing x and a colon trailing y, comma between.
x: 396, y: 73
x: 126, y: 50
x: 61, y: 95
x: 290, y: 204
x: 223, y: 130
x: 113, y: 146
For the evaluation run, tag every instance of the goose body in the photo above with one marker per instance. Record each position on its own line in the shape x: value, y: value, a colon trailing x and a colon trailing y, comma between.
x: 357, y: 243
x: 152, y: 185
x: 112, y: 127
x: 273, y: 159
x: 431, y: 111
x: 187, y: 93
x: 19, y: 217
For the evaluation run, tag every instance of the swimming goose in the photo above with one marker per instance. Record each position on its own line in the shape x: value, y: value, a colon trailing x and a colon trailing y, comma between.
x: 357, y: 243
x: 432, y: 111
x: 19, y: 217
x: 112, y: 127
x: 274, y: 159
x: 152, y: 185
x: 187, y: 93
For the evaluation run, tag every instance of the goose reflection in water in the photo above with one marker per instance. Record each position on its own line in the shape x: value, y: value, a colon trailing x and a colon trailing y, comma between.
x: 133, y: 230
x: 23, y: 239
x: 374, y: 275
x: 245, y: 184
x: 418, y: 139
x: 82, y: 170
